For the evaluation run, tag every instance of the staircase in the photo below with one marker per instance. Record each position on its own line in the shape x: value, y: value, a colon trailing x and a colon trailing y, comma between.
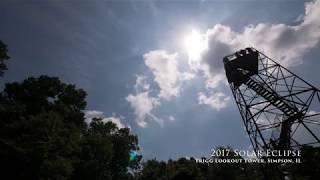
x: 273, y: 98
x: 283, y: 143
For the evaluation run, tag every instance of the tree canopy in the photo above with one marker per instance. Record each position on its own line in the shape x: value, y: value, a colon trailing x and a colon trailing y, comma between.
x: 105, y: 152
x: 3, y: 57
x: 43, y: 135
x: 188, y: 168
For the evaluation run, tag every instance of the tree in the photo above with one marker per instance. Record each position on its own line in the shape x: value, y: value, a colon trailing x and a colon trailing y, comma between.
x: 40, y: 124
x: 172, y: 170
x: 184, y: 169
x: 189, y: 169
x: 309, y: 168
x: 105, y: 152
x: 232, y: 171
x: 153, y: 169
x: 43, y: 135
x: 3, y: 57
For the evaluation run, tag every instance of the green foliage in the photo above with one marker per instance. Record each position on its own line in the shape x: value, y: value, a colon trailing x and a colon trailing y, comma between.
x: 40, y: 124
x: 309, y: 167
x: 3, y: 57
x: 43, y: 135
x: 105, y: 152
x: 189, y: 169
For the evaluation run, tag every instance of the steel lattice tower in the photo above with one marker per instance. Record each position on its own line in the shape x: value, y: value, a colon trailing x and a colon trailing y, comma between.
x: 280, y: 110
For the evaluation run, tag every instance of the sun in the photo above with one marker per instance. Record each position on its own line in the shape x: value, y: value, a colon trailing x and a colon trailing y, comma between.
x: 194, y: 44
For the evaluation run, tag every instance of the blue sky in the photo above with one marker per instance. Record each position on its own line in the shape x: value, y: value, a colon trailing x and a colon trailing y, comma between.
x: 133, y: 59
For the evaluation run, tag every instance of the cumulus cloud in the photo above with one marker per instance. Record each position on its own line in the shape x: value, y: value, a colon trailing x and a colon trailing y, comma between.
x: 164, y: 68
x: 141, y: 84
x: 216, y: 101
x: 171, y: 118
x: 285, y: 43
x: 142, y: 105
x: 186, y: 76
x: 90, y: 114
x: 115, y: 120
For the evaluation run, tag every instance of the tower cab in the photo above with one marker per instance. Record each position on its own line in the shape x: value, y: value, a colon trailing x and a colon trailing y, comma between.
x: 241, y: 65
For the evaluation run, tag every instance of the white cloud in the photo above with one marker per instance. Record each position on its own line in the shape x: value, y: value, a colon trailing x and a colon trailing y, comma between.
x: 115, y: 120
x: 215, y: 81
x: 90, y: 114
x: 141, y: 83
x: 216, y: 101
x: 164, y: 68
x: 142, y: 105
x: 171, y: 118
x: 186, y: 76
x: 285, y: 43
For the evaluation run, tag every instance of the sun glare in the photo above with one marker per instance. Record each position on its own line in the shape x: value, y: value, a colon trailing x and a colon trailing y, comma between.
x: 195, y: 44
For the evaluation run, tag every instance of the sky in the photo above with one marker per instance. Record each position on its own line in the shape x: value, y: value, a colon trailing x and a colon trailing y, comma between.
x: 156, y: 66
